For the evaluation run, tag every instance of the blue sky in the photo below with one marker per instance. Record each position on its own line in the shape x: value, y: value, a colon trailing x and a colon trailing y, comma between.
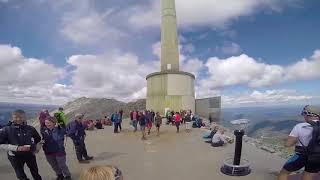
x: 250, y: 52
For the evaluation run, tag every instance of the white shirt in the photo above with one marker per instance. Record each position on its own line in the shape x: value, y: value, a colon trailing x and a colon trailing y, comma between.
x: 218, y: 137
x: 302, y: 131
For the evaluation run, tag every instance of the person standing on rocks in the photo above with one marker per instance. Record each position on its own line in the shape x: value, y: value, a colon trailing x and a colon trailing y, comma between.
x: 76, y: 131
x: 306, y: 139
x: 53, y: 148
x: 142, y: 123
x: 158, y: 122
x: 21, y: 141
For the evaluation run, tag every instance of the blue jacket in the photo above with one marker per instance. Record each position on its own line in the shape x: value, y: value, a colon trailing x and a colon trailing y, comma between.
x: 116, y: 118
x: 53, y: 140
x: 76, y: 130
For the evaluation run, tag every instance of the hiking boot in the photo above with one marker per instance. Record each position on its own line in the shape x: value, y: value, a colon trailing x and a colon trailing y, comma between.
x: 68, y: 178
x: 60, y: 177
x: 88, y: 158
x: 82, y: 161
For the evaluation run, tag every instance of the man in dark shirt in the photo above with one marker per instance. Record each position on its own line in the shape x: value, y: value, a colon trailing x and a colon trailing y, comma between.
x: 142, y: 123
x: 76, y: 131
x: 20, y: 140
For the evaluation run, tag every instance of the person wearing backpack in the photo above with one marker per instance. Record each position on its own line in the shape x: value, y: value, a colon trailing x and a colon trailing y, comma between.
x: 76, y: 131
x: 21, y: 142
x: 306, y: 139
x: 53, y: 148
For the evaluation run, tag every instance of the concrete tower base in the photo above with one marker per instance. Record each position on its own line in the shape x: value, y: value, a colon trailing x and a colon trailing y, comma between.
x: 172, y: 90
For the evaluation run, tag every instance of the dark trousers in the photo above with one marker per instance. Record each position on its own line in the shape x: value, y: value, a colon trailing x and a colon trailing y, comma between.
x: 116, y: 127
x: 81, y: 149
x: 178, y: 126
x: 18, y: 162
x: 120, y: 126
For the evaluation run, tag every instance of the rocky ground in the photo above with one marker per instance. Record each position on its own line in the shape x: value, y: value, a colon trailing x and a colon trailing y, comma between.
x: 171, y: 156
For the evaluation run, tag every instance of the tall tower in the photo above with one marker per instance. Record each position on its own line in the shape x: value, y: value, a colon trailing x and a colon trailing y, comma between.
x: 170, y: 88
x: 169, y: 37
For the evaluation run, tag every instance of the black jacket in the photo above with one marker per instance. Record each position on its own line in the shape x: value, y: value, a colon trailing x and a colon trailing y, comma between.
x: 20, y: 135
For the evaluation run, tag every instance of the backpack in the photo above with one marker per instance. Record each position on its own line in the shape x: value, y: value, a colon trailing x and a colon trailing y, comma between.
x: 313, y: 149
x: 68, y: 128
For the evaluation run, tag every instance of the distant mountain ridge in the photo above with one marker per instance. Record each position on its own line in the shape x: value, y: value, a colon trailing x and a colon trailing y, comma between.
x: 97, y: 108
x: 32, y: 110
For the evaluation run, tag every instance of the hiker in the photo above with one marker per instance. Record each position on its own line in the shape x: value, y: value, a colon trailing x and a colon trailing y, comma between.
x: 209, y: 135
x: 142, y: 123
x: 101, y: 173
x: 177, y: 121
x: 306, y: 139
x: 21, y: 142
x: 98, y: 124
x: 135, y: 120
x: 219, y: 139
x: 76, y: 131
x: 187, y: 120
x: 158, y: 122
x: 61, y: 118
x: 168, y: 116
x: 53, y: 148
x: 42, y: 117
x: 116, y: 121
x: 149, y: 119
x: 120, y: 123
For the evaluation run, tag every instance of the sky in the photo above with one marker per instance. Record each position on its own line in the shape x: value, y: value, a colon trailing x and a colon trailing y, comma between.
x: 250, y: 52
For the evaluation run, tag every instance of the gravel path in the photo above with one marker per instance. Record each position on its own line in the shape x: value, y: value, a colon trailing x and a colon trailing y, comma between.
x: 171, y: 156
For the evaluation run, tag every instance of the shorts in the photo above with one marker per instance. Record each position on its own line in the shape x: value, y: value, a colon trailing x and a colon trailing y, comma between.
x: 142, y: 127
x: 188, y: 125
x: 158, y: 125
x: 149, y: 125
x: 298, y: 161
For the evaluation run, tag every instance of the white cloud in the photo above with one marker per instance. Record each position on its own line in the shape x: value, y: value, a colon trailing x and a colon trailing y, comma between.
x: 27, y: 79
x: 117, y: 76
x: 230, y: 48
x: 214, y: 13
x: 83, y: 25
x: 305, y: 69
x: 18, y: 70
x: 245, y: 70
x: 256, y: 97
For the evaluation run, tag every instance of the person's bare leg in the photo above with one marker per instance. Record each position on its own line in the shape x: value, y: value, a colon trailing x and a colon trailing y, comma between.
x: 283, y: 175
x: 307, y: 176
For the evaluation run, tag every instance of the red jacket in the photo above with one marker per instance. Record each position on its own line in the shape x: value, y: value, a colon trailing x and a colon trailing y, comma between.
x: 177, y: 118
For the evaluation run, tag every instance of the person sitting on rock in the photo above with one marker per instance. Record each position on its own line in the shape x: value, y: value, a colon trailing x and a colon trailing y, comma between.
x: 98, y: 124
x: 219, y: 139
